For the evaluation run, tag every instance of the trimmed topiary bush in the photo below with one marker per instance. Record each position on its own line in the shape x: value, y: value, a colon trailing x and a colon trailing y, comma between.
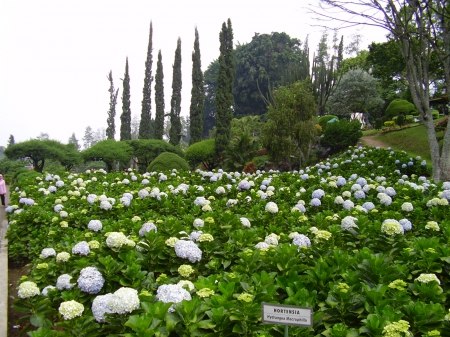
x: 400, y: 106
x: 203, y: 152
x: 435, y: 114
x: 168, y: 161
x: 323, y: 120
x: 340, y: 135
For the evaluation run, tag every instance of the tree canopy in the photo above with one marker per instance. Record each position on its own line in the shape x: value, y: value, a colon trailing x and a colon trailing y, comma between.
x: 38, y: 151
x: 110, y: 152
x: 290, y: 128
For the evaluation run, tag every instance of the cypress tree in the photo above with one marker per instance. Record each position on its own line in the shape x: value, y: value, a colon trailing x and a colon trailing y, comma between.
x: 111, y: 129
x: 197, y: 95
x: 224, y: 98
x: 125, y: 117
x: 11, y: 141
x: 159, y: 99
x: 175, y: 102
x: 146, y: 113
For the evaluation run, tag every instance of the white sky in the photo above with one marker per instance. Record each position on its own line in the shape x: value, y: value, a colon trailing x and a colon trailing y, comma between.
x: 55, y: 55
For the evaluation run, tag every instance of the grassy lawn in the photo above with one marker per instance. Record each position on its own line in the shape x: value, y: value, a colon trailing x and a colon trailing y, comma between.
x: 411, y: 138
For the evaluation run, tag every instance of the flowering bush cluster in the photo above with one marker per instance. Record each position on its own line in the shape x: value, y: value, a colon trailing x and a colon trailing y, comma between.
x: 362, y: 238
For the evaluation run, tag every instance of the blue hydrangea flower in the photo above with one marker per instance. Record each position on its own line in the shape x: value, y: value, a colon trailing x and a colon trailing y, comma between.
x: 301, y: 241
x: 81, y: 248
x: 91, y: 280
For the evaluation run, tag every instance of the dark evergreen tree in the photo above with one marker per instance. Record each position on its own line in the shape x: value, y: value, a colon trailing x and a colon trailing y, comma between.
x: 73, y: 140
x: 125, y: 117
x: 197, y: 95
x: 111, y: 129
x: 224, y: 98
x: 175, y: 102
x: 209, y: 106
x: 146, y: 113
x: 159, y: 99
x: 10, y: 141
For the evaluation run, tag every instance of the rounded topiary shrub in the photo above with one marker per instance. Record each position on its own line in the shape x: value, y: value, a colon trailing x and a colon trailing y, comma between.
x: 322, y: 121
x: 400, y: 106
x: 167, y: 161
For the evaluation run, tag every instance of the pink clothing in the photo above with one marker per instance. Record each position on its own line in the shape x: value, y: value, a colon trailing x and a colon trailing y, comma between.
x: 2, y: 187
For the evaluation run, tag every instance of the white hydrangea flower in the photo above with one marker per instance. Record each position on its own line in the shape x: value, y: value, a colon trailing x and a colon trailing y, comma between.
x: 91, y: 280
x: 63, y: 282
x: 172, y: 293
x: 28, y: 289
x: 47, y: 252
x: 123, y: 301
x: 71, y: 309
x: 147, y: 227
x: 301, y: 240
x: 100, y: 307
x: 245, y: 222
x: 188, y: 250
x: 198, y: 223
x: 271, y: 207
x: 116, y: 240
x: 425, y: 278
x: 95, y: 225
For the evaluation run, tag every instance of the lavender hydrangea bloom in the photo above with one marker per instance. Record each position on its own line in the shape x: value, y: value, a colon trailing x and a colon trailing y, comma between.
x: 95, y: 225
x: 406, y: 224
x: 91, y: 280
x: 63, y: 282
x: 47, y: 289
x: 390, y: 191
x: 341, y: 181
x: 348, y: 222
x: 361, y: 181
x: 243, y: 185
x: 200, y: 201
x: 315, y: 202
x: 52, y: 189
x: 47, y: 252
x: 100, y: 307
x: 301, y: 241
x: 188, y: 250
x: 58, y: 208
x: 348, y: 204
x: 143, y: 193
x: 81, y: 248
x: 147, y: 227
x: 300, y: 207
x: 359, y: 194
x: 368, y: 205
x: 59, y: 183
x: 195, y: 235
x: 172, y: 293
x: 317, y: 194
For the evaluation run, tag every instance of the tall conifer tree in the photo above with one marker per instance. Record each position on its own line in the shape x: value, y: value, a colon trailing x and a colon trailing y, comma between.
x: 111, y: 129
x: 159, y: 98
x: 224, y: 98
x: 146, y: 113
x: 125, y: 117
x: 197, y: 95
x: 175, y: 102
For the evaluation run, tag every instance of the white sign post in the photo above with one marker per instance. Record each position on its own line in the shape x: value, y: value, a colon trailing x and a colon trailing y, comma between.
x: 287, y: 315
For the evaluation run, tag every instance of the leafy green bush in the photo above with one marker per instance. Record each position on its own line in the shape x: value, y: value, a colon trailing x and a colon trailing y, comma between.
x: 409, y: 119
x: 379, y: 123
x: 389, y: 124
x: 26, y: 175
x: 261, y: 161
x: 435, y: 114
x: 167, y: 161
x: 202, y: 153
x: 340, y: 135
x: 400, y: 106
x: 323, y: 120
x: 400, y: 120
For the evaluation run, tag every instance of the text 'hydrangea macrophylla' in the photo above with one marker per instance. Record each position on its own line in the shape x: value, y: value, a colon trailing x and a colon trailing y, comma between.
x: 91, y: 280
x: 28, y: 289
x: 95, y: 225
x: 147, y: 227
x: 188, y: 250
x: 391, y: 227
x: 71, y: 309
x: 172, y: 293
x: 245, y: 222
x: 349, y: 222
x: 185, y: 270
x: 100, y: 307
x: 81, y: 248
x: 425, y: 278
x: 123, y: 301
x: 301, y: 240
x: 271, y: 207
x: 63, y: 282
x: 47, y: 252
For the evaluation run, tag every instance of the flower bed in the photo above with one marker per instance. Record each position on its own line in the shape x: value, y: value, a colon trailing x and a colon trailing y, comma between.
x: 362, y: 239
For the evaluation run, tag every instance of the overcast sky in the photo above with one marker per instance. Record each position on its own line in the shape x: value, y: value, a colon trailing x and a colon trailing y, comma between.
x: 56, y: 55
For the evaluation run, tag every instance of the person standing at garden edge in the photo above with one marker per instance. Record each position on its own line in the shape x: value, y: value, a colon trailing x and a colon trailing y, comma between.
x: 2, y: 190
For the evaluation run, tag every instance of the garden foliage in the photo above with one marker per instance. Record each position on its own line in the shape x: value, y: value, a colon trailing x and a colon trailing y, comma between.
x: 362, y: 238
x: 340, y: 135
x: 168, y: 161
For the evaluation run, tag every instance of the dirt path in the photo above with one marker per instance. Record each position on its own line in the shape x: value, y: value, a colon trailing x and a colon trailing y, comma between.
x: 370, y: 140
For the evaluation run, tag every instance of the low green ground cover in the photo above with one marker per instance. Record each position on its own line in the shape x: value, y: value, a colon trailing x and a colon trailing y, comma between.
x: 361, y: 238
